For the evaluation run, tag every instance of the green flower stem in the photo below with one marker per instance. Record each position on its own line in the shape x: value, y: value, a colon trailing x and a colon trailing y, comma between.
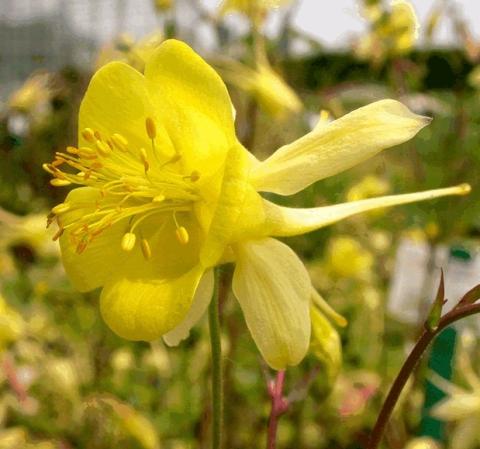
x: 217, y: 381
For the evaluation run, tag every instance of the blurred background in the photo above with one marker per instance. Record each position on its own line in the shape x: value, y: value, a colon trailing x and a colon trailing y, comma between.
x: 66, y: 381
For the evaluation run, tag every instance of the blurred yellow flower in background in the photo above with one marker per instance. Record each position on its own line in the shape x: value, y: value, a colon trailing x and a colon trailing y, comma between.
x: 368, y: 187
x: 268, y: 88
x: 254, y: 9
x: 12, y: 325
x: 168, y: 193
x: 393, y: 32
x: 474, y: 77
x: 34, y: 95
x: 126, y: 49
x: 346, y: 257
x: 163, y: 5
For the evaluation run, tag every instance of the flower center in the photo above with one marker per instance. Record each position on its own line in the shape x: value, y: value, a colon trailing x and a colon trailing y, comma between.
x: 132, y: 183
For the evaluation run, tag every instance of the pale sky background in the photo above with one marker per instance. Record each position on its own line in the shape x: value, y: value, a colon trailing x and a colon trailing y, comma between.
x: 333, y: 22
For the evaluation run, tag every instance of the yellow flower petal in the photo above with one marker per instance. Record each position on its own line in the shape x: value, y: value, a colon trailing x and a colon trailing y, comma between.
x: 326, y: 345
x: 117, y: 101
x: 147, y: 308
x: 456, y: 407
x: 104, y: 259
x: 285, y: 221
x: 193, y: 104
x: 337, y: 146
x: 202, y: 298
x: 273, y: 288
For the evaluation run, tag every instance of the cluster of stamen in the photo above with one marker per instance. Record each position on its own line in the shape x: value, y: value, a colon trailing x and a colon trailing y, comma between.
x: 131, y: 188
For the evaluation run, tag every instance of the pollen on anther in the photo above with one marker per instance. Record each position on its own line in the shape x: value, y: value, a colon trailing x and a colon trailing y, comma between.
x: 128, y: 241
x: 151, y: 128
x: 182, y: 235
x: 146, y: 250
x: 89, y: 135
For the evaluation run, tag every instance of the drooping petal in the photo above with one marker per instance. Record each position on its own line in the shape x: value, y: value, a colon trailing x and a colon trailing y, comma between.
x: 147, y: 308
x: 339, y: 145
x: 221, y: 216
x: 202, y: 298
x: 326, y: 346
x: 103, y: 258
x: 273, y: 288
x: 193, y: 104
x: 456, y: 407
x: 285, y: 221
x: 117, y: 101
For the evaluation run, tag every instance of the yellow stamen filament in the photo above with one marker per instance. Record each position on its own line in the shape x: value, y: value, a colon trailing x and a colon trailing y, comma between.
x: 120, y: 142
x: 143, y: 157
x: 47, y: 168
x: 58, y: 234
x: 151, y: 128
x: 128, y: 241
x: 88, y: 135
x: 182, y: 235
x: 146, y: 250
x: 61, y: 208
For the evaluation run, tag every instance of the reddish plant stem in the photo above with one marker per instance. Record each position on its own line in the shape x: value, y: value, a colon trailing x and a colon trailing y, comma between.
x: 279, y: 407
x: 457, y: 313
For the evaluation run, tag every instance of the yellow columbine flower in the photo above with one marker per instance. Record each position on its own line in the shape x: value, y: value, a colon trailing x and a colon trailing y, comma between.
x: 169, y: 192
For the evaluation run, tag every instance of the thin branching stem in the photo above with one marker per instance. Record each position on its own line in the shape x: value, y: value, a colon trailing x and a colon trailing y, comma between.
x: 278, y: 408
x: 457, y: 313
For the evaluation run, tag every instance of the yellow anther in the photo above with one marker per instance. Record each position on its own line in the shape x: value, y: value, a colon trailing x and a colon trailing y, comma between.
x: 128, y: 241
x: 103, y: 148
x: 143, y: 157
x: 158, y: 198
x: 59, y: 182
x: 87, y: 153
x: 88, y: 135
x: 82, y: 246
x: 182, y: 235
x: 151, y: 128
x: 61, y: 208
x: 194, y: 176
x: 72, y: 150
x: 97, y: 135
x: 47, y: 168
x: 146, y: 250
x: 119, y: 141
